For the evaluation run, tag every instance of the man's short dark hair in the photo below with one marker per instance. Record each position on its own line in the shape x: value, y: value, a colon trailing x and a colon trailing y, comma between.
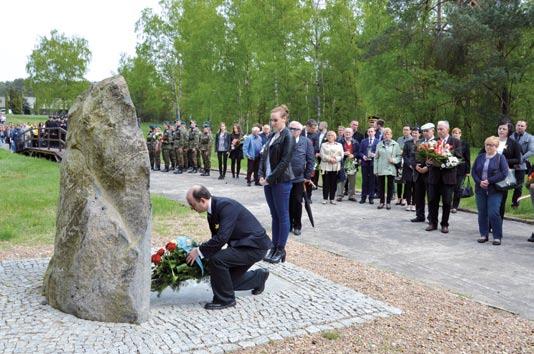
x: 311, y: 122
x: 201, y: 192
x: 380, y: 123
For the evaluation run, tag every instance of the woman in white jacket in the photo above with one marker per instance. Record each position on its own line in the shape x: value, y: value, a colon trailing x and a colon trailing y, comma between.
x: 331, y: 156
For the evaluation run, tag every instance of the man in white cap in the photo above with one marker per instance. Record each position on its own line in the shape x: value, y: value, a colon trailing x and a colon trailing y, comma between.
x: 421, y: 175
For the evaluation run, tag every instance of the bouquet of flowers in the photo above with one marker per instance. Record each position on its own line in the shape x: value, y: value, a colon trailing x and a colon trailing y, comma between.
x: 170, y: 267
x: 438, y: 154
x: 350, y: 166
x: 530, y: 180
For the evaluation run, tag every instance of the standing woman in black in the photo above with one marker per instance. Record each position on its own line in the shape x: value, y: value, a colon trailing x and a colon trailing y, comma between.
x: 236, y: 150
x: 222, y: 146
x: 463, y: 169
x: 276, y: 175
x: 510, y: 149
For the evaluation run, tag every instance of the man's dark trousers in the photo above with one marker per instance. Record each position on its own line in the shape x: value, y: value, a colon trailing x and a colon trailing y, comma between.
x: 252, y: 167
x: 435, y: 192
x: 420, y: 196
x: 295, y: 205
x: 229, y: 270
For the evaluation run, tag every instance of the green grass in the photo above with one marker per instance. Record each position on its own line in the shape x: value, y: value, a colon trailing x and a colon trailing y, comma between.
x: 21, y: 118
x: 331, y: 335
x: 28, y: 203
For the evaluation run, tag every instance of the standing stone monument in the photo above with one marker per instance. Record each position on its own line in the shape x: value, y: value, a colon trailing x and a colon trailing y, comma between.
x: 100, y: 269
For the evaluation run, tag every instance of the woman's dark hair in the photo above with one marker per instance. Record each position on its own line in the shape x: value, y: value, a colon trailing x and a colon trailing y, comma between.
x: 236, y: 125
x: 506, y: 121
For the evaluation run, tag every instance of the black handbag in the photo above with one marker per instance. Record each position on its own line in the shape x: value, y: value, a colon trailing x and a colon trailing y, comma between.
x: 466, y: 191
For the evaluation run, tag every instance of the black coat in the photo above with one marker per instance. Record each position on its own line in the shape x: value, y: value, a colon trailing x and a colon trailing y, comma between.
x: 408, y: 156
x: 465, y: 167
x: 233, y: 224
x: 279, y: 155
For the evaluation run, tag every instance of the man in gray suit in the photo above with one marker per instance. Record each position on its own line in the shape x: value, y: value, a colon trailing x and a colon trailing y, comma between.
x: 526, y: 141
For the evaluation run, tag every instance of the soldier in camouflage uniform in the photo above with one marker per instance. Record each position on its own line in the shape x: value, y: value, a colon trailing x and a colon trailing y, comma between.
x: 193, y: 145
x: 158, y: 136
x: 206, y: 142
x: 180, y: 149
x: 167, y: 146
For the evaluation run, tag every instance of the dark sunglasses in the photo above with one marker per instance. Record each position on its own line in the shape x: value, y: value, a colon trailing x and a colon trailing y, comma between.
x: 294, y: 129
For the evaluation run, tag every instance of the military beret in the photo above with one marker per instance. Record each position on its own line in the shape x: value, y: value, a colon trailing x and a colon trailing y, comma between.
x: 428, y: 126
x: 206, y: 125
x: 152, y: 127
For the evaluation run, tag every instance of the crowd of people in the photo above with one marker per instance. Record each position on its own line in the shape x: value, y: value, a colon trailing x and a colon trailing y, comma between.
x: 24, y: 135
x: 288, y: 159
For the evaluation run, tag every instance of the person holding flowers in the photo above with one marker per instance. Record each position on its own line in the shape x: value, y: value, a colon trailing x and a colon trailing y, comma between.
x: 442, y: 177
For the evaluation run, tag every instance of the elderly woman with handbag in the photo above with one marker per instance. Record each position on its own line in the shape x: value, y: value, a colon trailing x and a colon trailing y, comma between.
x: 490, y: 168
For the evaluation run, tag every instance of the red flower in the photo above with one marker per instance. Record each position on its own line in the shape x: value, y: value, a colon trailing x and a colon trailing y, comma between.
x: 156, y: 259
x: 161, y: 252
x: 171, y: 246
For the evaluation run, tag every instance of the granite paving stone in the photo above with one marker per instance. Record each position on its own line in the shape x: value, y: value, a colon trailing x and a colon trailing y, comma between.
x: 179, y: 323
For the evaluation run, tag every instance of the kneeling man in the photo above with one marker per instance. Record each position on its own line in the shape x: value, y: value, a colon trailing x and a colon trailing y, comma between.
x: 230, y: 223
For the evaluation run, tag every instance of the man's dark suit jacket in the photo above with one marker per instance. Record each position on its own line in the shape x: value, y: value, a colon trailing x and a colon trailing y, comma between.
x: 446, y: 175
x: 232, y: 223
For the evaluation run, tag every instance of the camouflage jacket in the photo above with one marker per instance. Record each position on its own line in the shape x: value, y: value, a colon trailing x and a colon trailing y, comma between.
x: 193, y: 138
x: 206, y: 141
x: 167, y: 137
x: 180, y: 137
x: 151, y: 138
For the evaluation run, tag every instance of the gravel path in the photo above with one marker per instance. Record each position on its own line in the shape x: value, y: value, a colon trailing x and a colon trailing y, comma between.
x: 433, y: 320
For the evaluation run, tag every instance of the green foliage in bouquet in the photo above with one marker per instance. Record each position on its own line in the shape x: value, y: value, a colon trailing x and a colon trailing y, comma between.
x: 171, y: 270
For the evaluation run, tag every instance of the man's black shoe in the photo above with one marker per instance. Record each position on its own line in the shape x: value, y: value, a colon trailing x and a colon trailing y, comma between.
x: 417, y: 220
x: 296, y: 232
x: 265, y: 275
x: 362, y: 201
x: 218, y: 306
x: 531, y: 238
x: 248, y: 184
x: 431, y: 227
x: 371, y: 201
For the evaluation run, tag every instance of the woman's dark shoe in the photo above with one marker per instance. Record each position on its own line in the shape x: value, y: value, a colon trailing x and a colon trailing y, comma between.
x: 269, y: 254
x: 388, y: 206
x: 531, y: 238
x: 482, y: 239
x: 496, y: 242
x: 380, y: 206
x: 278, y: 256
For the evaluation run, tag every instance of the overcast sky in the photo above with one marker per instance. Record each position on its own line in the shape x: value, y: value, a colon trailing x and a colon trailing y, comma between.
x: 108, y: 26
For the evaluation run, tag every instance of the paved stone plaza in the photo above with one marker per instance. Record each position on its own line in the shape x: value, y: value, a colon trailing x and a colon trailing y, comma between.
x: 296, y: 302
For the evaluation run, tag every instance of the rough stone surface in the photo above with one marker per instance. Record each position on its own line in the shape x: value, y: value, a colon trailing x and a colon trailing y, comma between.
x: 310, y: 304
x: 101, y: 265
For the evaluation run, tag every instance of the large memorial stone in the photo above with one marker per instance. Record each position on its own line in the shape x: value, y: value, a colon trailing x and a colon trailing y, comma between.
x: 100, y: 269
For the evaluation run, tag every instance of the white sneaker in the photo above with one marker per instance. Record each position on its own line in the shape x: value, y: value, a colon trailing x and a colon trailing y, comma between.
x: 324, y: 201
